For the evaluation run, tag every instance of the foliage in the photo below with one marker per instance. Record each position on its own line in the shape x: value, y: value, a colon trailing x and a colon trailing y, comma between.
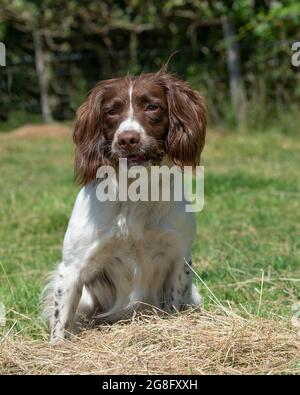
x: 87, y: 40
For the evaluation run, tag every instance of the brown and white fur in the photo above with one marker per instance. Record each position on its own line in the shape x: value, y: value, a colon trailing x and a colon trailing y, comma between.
x: 120, y: 256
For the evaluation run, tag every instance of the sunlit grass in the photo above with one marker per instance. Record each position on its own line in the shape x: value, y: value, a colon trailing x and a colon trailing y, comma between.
x: 247, y: 248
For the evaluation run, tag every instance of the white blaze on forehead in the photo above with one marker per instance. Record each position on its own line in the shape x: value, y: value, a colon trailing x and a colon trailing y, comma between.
x: 130, y: 123
x: 130, y: 113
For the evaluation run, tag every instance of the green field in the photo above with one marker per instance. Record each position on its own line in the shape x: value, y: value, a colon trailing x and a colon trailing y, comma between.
x: 247, y: 249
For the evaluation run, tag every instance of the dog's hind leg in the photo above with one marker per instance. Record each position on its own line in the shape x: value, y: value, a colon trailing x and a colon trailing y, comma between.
x: 183, y: 293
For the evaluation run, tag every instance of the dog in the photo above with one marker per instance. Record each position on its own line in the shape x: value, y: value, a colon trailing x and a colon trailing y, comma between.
x: 120, y: 256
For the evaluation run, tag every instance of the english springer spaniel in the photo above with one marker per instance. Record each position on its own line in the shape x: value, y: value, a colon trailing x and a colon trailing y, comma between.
x: 121, y: 256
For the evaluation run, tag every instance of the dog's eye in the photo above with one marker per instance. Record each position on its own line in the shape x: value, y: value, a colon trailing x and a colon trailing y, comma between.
x: 112, y: 112
x: 152, y: 107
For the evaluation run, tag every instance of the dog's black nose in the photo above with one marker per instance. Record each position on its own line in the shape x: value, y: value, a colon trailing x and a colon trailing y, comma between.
x: 128, y: 139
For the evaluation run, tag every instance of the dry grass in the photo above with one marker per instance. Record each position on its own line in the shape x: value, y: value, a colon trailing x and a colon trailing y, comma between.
x: 188, y: 343
x: 38, y: 131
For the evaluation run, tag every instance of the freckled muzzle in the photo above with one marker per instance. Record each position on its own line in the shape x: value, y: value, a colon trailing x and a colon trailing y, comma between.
x: 137, y: 149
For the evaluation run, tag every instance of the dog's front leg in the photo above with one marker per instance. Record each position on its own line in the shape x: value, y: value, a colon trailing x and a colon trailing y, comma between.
x: 67, y: 293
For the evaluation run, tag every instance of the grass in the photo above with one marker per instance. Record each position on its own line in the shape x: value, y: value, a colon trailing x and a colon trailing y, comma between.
x: 250, y: 227
x: 247, y: 249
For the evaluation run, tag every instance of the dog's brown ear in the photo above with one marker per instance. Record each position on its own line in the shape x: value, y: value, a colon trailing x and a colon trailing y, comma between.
x: 187, y: 122
x: 88, y: 138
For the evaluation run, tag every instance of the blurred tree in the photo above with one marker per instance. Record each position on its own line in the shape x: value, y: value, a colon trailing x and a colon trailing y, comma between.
x: 230, y: 49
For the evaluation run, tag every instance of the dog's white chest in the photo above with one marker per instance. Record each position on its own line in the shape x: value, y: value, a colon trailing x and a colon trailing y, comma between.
x: 137, y: 262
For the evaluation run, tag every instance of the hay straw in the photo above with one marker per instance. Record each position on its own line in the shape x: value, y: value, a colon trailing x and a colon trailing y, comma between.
x: 188, y: 343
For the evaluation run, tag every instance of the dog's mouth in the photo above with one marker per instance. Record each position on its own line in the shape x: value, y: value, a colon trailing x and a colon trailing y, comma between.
x: 140, y: 158
x: 136, y: 159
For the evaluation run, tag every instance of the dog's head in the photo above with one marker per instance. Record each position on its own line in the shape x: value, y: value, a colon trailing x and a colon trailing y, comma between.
x: 139, y: 118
